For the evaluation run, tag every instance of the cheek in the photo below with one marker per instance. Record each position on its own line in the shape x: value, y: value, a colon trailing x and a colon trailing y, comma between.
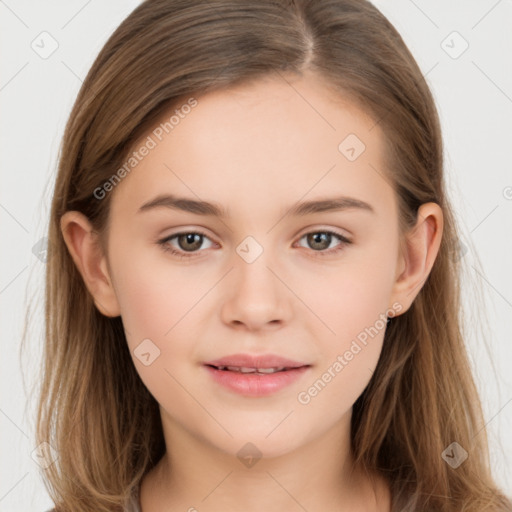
x: 348, y: 358
x: 159, y: 307
x: 350, y: 297
x: 353, y: 301
x: 154, y: 293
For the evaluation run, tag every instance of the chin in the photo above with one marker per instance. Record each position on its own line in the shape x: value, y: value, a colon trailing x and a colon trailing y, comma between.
x: 259, y: 445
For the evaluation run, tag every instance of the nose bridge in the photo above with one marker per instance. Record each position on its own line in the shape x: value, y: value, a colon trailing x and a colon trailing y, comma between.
x: 256, y: 296
x: 254, y: 257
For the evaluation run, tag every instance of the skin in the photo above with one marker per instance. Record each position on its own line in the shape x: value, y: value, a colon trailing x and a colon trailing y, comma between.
x: 256, y: 150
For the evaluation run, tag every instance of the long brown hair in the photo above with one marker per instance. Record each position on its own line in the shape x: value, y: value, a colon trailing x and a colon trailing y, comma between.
x: 94, y: 409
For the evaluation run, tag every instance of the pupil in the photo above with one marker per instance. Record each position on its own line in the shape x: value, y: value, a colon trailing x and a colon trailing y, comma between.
x: 316, y: 241
x: 189, y: 239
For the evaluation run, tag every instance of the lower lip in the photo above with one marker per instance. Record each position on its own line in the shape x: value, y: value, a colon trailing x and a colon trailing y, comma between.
x: 252, y: 384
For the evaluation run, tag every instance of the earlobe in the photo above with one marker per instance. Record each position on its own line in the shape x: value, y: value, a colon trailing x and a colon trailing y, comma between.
x: 84, y: 247
x: 420, y: 250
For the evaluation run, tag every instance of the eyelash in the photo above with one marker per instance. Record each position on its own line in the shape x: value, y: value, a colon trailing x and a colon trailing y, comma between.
x: 181, y: 254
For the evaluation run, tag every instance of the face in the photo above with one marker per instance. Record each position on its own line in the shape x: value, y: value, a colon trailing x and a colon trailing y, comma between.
x: 311, y: 286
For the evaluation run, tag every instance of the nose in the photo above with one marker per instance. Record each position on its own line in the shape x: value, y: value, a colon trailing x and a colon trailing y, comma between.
x: 255, y: 296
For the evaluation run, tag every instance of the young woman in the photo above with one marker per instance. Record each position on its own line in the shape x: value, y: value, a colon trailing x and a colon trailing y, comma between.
x: 253, y: 295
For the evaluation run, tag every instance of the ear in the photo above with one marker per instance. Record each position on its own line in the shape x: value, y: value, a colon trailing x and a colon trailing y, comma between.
x: 418, y: 254
x: 84, y: 246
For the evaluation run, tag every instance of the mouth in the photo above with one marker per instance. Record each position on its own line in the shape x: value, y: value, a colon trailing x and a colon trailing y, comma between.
x: 258, y: 371
x: 255, y: 375
x: 248, y: 363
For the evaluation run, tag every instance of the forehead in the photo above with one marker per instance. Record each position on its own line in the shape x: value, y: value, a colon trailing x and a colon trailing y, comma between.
x: 277, y: 139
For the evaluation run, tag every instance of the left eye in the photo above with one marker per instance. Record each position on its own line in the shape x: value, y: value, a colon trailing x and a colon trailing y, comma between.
x: 191, y: 241
x: 321, y: 240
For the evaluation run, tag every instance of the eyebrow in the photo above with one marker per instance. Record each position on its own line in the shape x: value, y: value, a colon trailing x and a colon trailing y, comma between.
x: 213, y: 209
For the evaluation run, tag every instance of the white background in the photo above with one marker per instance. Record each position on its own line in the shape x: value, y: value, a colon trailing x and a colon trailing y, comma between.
x: 474, y: 96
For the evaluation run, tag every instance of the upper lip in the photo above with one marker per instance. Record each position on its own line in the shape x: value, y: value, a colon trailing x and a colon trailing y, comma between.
x: 256, y: 361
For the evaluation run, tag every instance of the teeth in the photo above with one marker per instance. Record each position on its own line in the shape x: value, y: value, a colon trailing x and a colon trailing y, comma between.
x: 243, y: 369
x: 270, y: 370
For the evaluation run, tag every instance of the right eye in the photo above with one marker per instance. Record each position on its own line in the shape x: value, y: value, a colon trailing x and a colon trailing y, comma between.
x: 188, y: 242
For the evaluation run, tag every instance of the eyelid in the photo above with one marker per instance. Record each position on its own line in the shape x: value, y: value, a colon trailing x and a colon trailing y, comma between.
x: 315, y: 228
